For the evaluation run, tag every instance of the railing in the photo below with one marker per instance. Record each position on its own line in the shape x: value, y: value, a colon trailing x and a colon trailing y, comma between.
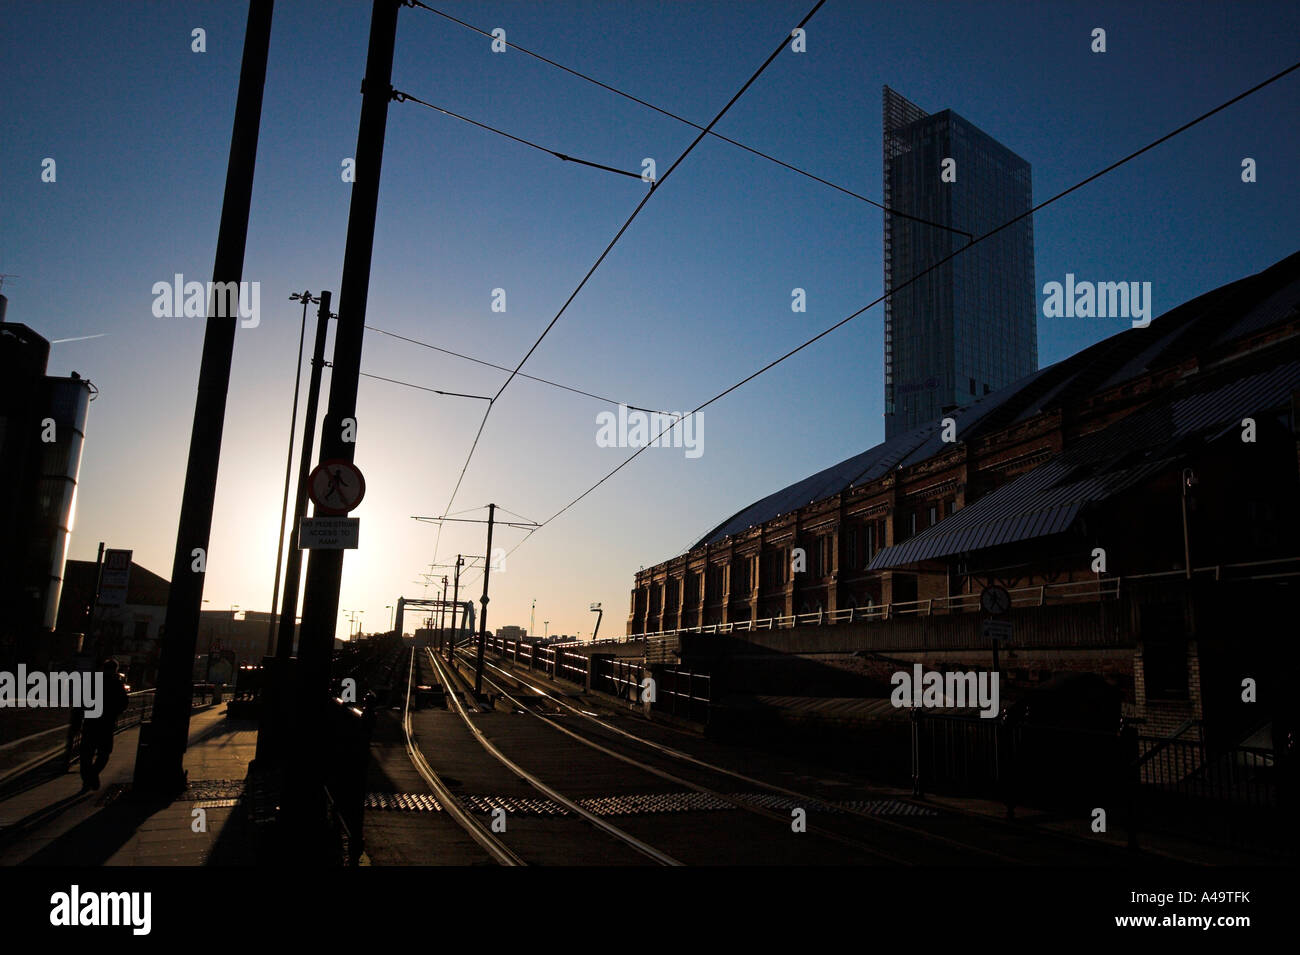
x: 1186, y: 768
x: 619, y: 678
x: 573, y: 666
x: 1104, y: 588
x: 1227, y: 794
x: 1090, y: 590
x: 676, y: 691
x: 683, y: 693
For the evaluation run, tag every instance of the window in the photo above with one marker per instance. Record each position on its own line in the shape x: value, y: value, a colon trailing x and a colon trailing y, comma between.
x: 972, y: 386
x: 1164, y: 651
x: 934, y: 514
x: 911, y: 524
x: 950, y: 507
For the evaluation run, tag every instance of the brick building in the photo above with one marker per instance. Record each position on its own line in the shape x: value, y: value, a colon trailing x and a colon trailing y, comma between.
x: 1068, y: 487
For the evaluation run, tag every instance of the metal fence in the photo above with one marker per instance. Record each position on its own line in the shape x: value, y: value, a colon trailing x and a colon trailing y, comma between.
x: 683, y: 693
x: 1227, y: 794
x: 620, y: 678
x: 679, y: 692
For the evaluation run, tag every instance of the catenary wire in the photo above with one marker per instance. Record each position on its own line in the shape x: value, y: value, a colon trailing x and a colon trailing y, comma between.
x: 681, y: 119
x: 402, y: 97
x: 590, y: 272
x: 544, y: 381
x: 1060, y: 195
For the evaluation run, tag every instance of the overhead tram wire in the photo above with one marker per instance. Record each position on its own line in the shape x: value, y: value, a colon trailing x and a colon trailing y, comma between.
x: 544, y: 381
x: 404, y: 97
x: 682, y: 119
x: 1046, y: 202
x: 635, y: 212
x: 407, y: 384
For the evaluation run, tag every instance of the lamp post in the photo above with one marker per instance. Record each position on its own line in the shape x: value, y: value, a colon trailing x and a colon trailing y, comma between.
x: 1189, y: 482
x: 389, y: 608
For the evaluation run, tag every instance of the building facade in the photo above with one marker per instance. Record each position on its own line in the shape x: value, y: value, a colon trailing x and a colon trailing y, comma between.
x: 1149, y: 486
x: 969, y: 327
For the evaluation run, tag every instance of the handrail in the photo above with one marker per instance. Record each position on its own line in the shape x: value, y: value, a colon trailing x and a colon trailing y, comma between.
x: 1036, y: 595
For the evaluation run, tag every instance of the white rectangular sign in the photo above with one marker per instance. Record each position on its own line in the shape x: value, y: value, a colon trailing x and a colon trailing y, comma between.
x: 997, y: 629
x: 329, y: 533
x: 114, y: 577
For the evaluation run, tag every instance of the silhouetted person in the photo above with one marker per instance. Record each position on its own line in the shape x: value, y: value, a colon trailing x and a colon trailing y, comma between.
x: 97, y: 731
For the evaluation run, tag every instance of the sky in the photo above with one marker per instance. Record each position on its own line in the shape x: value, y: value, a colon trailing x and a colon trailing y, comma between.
x: 695, y: 296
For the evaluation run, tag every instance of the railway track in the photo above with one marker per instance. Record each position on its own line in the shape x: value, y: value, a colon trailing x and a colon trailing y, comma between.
x: 925, y: 836
x: 548, y: 791
x: 539, y: 777
x: 863, y: 850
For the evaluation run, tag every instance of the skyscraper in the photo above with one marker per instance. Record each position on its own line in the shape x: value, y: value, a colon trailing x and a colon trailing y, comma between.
x: 970, y: 326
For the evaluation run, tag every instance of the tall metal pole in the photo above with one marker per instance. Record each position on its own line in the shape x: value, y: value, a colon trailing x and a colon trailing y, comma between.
x: 482, y: 633
x: 325, y: 567
x: 306, y: 298
x: 160, y: 756
x: 442, y: 612
x: 1189, y: 479
x: 455, y: 606
x: 94, y: 604
x: 293, y: 564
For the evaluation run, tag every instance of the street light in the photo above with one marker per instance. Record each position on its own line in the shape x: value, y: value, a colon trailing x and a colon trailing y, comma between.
x: 389, y: 608
x: 547, y: 625
x: 1189, y: 482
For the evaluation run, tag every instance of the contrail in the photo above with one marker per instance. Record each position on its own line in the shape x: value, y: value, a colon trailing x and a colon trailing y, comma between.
x: 82, y: 338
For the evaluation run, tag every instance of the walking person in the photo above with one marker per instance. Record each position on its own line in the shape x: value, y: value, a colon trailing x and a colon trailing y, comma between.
x: 97, y: 732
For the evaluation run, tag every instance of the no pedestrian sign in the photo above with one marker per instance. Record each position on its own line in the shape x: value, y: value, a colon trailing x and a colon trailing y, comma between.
x: 336, y: 486
x: 329, y: 533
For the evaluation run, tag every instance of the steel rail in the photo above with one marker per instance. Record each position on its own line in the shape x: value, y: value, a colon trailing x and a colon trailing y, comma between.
x: 501, y: 853
x: 644, y: 848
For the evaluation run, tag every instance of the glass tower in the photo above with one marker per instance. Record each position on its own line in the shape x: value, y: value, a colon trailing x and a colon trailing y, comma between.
x: 970, y: 326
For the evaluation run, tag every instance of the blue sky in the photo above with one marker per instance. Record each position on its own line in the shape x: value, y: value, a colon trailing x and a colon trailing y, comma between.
x: 694, y: 297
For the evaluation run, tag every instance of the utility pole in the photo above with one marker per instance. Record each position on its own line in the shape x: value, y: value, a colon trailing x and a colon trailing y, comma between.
x: 1189, y: 482
x: 293, y: 563
x: 532, y: 619
x: 482, y: 633
x: 455, y: 605
x: 306, y: 298
x: 325, y: 567
x: 442, y: 611
x: 94, y: 603
x: 160, y: 755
